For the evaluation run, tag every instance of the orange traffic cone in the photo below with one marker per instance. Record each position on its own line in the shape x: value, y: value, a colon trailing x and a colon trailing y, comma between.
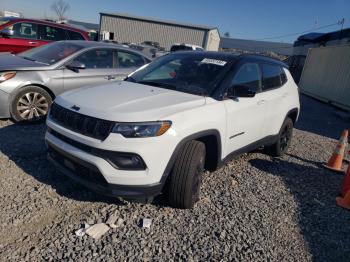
x: 336, y: 161
x: 344, y: 202
x: 346, y: 181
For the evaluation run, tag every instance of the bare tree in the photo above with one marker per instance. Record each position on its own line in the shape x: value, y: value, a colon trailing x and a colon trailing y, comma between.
x: 60, y: 7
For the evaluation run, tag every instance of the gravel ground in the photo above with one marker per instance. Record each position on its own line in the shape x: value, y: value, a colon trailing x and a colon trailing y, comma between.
x: 253, y: 209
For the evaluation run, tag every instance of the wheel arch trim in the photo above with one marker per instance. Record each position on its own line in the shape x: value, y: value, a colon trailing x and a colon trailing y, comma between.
x: 195, y: 136
x: 293, y: 111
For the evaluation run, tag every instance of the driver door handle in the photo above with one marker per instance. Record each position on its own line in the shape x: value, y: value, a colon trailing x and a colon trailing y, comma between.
x: 33, y: 43
x: 261, y: 102
x: 110, y: 77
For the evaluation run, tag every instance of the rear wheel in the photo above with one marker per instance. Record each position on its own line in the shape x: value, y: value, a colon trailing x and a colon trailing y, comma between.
x: 30, y: 104
x: 284, y: 138
x: 186, y: 176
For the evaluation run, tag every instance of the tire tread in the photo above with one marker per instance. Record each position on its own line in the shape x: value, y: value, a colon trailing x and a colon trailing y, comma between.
x: 184, y: 166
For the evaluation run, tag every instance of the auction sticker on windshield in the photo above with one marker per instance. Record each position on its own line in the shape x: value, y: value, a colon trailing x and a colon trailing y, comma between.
x: 213, y: 61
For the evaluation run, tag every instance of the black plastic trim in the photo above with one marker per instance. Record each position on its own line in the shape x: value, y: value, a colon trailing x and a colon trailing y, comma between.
x: 113, y: 190
x: 195, y: 136
x: 294, y: 110
x: 269, y: 140
x: 239, y: 134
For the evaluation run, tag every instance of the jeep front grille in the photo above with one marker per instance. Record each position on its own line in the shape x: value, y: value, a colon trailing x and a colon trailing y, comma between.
x: 85, y: 125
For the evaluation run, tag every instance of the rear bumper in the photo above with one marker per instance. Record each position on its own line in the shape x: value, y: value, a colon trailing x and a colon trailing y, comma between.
x: 89, y: 176
x: 4, y: 104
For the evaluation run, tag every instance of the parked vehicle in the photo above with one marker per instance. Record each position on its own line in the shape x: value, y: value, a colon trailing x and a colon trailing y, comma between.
x: 151, y: 43
x: 29, y: 81
x: 185, y: 47
x: 146, y: 49
x: 183, y: 113
x: 18, y: 34
x: 154, y: 44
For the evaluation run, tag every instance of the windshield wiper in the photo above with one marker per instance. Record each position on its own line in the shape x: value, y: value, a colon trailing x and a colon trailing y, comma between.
x: 158, y: 84
x: 27, y: 58
x: 33, y: 60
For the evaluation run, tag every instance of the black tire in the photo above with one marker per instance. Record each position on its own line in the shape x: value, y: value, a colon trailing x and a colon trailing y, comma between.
x: 284, y: 138
x: 186, y: 175
x: 30, y: 105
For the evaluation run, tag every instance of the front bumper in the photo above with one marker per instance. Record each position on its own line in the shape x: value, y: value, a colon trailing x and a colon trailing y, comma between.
x: 90, y: 177
x: 4, y: 105
x: 97, y: 173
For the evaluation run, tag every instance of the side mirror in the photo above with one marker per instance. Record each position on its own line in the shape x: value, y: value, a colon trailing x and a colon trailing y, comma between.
x: 75, y: 66
x: 240, y: 91
x: 7, y: 32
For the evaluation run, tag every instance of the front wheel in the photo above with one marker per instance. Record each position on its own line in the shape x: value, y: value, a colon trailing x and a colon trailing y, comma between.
x: 281, y: 146
x: 30, y: 104
x: 186, y: 176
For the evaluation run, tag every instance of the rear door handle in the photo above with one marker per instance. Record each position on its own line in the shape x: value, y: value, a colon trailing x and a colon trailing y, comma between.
x: 33, y: 43
x: 261, y: 102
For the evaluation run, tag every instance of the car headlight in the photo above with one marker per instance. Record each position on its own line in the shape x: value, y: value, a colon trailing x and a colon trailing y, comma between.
x: 4, y: 76
x: 146, y: 129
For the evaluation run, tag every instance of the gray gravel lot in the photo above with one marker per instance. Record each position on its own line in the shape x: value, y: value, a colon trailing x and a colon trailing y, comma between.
x: 253, y: 209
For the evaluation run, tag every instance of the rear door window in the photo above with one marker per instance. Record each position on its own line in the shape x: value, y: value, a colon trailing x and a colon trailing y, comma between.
x: 128, y: 60
x: 50, y: 33
x: 24, y: 30
x: 97, y: 58
x: 75, y: 35
x: 271, y: 76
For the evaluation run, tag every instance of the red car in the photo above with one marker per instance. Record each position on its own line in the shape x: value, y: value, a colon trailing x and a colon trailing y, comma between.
x: 19, y: 34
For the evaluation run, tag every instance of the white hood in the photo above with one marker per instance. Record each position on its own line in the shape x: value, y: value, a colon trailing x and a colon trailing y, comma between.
x: 129, y: 102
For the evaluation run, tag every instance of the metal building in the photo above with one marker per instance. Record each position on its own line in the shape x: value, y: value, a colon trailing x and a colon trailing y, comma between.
x: 326, y: 75
x: 255, y: 46
x: 135, y: 29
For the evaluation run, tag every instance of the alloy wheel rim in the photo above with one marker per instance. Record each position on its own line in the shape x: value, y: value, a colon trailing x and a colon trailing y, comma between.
x: 32, y: 105
x: 285, y: 137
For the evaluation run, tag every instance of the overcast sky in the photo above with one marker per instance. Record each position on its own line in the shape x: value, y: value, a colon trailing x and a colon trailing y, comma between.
x: 245, y: 19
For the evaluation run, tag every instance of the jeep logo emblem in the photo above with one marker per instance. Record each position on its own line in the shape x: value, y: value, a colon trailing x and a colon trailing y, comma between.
x: 76, y: 108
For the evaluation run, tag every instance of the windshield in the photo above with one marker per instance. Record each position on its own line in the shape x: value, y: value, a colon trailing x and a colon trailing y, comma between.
x: 192, y: 73
x: 51, y: 53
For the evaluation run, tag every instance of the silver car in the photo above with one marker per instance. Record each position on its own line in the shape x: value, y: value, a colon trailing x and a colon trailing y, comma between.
x: 29, y: 81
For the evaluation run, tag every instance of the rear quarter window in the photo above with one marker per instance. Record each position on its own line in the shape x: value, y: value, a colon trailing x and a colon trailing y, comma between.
x: 283, y: 76
x: 75, y: 35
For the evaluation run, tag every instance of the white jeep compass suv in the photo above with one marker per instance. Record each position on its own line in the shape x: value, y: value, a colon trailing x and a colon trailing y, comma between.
x: 159, y: 129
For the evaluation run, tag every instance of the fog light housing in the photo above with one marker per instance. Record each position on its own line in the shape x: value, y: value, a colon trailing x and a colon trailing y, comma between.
x: 126, y: 161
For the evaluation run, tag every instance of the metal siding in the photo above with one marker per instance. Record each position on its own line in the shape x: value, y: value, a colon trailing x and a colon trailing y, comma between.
x: 326, y: 75
x: 127, y: 30
x: 256, y: 46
